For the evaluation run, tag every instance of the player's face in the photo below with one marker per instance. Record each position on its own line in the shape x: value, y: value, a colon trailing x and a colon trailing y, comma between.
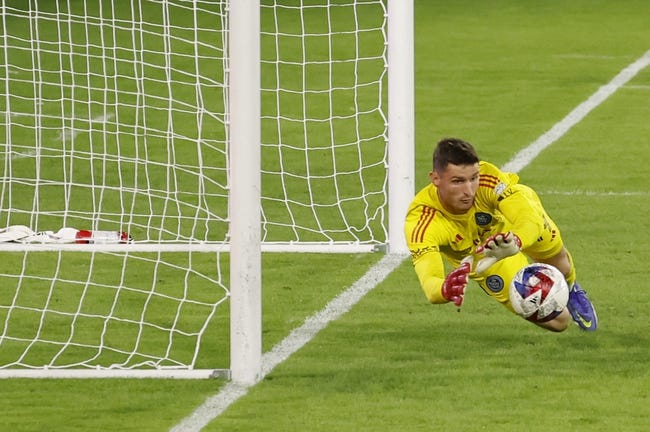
x: 457, y: 185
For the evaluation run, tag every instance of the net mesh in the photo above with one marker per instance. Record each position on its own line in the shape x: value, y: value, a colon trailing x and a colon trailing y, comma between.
x: 114, y: 119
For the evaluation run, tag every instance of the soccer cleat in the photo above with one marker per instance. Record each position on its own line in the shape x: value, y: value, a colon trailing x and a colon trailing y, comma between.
x: 581, y: 309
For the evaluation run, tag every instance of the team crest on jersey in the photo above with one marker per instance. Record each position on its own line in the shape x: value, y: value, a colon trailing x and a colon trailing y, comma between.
x: 482, y: 219
x: 494, y: 283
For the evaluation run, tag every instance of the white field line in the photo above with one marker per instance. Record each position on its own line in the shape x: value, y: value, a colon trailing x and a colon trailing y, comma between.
x: 582, y: 56
x: 638, y: 87
x: 231, y: 392
x: 525, y: 156
x: 596, y: 193
x: 341, y: 304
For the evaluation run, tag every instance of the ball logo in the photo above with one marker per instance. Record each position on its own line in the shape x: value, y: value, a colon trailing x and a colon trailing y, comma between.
x: 536, y: 282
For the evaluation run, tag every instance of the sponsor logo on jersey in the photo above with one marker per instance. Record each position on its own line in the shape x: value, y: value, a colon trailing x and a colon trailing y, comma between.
x: 482, y: 219
x: 416, y: 253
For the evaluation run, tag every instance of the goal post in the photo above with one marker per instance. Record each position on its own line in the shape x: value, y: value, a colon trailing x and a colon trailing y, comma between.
x: 210, y: 132
x: 245, y: 192
x: 401, y: 119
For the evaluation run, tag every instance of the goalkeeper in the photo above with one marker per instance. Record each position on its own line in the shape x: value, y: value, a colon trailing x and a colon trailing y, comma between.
x: 473, y: 209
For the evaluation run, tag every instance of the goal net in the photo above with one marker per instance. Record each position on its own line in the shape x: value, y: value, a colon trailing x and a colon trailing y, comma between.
x: 115, y: 120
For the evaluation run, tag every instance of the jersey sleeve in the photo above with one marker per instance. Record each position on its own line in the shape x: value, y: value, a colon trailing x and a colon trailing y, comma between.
x: 512, y: 200
x: 422, y: 238
x: 526, y: 221
x: 430, y: 270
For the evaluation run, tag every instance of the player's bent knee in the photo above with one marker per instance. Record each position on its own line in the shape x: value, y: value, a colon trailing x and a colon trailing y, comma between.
x: 561, y: 261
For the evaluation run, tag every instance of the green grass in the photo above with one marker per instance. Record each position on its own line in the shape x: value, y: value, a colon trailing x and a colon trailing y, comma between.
x: 499, y: 74
x: 397, y: 364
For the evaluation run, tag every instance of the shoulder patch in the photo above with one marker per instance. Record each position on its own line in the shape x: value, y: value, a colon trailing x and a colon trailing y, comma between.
x: 500, y: 188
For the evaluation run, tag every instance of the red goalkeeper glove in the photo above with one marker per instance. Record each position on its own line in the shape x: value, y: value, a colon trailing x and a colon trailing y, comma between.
x: 497, y: 247
x: 453, y: 288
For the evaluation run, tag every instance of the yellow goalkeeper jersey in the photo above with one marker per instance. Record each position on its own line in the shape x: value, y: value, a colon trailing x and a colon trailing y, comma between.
x: 501, y: 204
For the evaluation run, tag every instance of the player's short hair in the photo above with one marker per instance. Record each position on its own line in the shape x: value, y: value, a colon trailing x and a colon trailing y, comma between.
x: 453, y: 151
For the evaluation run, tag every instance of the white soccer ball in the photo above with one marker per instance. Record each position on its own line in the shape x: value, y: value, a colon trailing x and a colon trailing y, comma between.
x: 539, y: 292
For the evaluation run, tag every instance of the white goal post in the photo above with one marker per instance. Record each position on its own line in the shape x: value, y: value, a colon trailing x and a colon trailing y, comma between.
x: 207, y: 131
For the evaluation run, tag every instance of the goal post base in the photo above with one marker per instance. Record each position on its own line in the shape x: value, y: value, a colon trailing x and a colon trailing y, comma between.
x: 277, y: 247
x: 116, y: 373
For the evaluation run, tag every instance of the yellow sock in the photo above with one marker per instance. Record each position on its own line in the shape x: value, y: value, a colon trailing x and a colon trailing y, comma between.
x: 571, y: 276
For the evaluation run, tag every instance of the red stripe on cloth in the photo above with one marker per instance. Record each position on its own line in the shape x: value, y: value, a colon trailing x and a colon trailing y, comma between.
x: 417, y: 235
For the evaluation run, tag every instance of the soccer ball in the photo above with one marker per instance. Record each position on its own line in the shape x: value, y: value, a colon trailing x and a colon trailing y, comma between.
x: 539, y: 292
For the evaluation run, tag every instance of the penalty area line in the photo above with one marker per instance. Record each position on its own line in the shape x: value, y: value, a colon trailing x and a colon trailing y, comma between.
x: 526, y: 155
x: 595, y: 193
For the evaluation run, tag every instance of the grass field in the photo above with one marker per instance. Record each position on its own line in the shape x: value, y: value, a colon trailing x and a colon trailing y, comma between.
x: 499, y: 74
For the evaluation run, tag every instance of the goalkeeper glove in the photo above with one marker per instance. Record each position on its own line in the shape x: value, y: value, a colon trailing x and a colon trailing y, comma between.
x: 453, y: 288
x: 497, y: 247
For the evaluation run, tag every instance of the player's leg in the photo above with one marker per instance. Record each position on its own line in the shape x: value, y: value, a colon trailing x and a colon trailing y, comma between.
x: 559, y: 323
x: 496, y: 282
x: 582, y: 310
x: 550, y: 249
